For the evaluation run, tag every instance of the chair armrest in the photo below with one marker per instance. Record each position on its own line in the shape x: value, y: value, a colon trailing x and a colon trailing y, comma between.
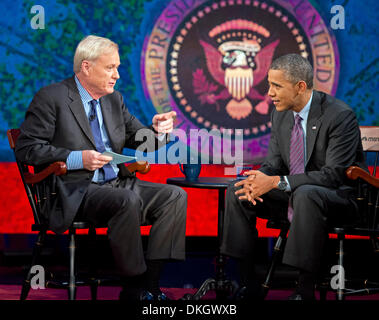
x: 58, y: 168
x: 142, y: 167
x: 354, y: 173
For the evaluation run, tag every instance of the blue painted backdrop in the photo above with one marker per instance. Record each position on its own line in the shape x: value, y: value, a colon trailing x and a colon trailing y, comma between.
x: 30, y: 59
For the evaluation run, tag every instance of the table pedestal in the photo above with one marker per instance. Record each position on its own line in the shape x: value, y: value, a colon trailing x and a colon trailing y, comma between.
x: 220, y: 284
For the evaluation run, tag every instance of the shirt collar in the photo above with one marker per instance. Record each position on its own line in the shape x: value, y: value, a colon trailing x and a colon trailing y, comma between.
x: 84, y: 95
x: 305, y: 111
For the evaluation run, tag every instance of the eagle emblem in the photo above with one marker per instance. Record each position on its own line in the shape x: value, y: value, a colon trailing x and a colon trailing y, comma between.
x: 238, y: 64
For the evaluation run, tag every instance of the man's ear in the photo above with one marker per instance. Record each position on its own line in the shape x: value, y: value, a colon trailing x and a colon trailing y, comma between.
x: 302, y: 86
x: 86, y: 65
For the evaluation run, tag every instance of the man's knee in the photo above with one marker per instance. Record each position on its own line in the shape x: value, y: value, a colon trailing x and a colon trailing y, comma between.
x: 176, y: 193
x: 309, y: 195
x: 231, y: 191
x: 125, y: 210
x: 181, y: 194
x: 307, y: 192
x: 122, y: 201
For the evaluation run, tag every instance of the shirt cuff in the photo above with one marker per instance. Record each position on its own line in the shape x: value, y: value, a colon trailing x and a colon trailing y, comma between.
x: 288, y: 187
x: 161, y: 136
x: 74, y: 160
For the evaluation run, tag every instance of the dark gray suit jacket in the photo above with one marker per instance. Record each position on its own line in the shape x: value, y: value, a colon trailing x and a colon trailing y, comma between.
x: 333, y: 143
x: 56, y: 124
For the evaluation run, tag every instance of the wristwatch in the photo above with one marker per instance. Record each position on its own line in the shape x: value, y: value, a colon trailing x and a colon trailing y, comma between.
x: 282, y: 184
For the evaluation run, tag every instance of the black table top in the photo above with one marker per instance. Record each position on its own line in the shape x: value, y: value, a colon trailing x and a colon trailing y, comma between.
x: 202, y: 182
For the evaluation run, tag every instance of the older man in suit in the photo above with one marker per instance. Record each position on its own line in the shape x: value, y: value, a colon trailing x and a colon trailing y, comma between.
x: 314, y: 138
x: 75, y: 121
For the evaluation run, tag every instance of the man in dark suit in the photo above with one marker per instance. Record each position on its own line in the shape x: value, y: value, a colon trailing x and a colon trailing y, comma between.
x: 75, y: 121
x: 314, y: 138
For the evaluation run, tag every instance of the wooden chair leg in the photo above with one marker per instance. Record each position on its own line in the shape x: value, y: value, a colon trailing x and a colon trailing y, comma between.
x: 35, y: 257
x: 72, y: 271
x: 340, y: 291
x: 93, y: 270
x: 278, y: 250
x: 323, y: 290
x: 93, y: 288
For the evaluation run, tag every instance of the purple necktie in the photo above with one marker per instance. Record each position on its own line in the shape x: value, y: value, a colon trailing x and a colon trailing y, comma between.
x: 107, y: 170
x: 296, y: 154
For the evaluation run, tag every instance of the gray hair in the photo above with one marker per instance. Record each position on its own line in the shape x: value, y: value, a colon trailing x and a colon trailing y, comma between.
x: 295, y: 68
x: 90, y: 48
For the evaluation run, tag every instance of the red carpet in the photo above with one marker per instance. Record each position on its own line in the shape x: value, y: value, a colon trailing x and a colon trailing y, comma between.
x: 12, y: 292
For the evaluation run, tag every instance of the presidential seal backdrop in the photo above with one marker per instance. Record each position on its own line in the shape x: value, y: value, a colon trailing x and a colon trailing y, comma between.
x: 208, y: 61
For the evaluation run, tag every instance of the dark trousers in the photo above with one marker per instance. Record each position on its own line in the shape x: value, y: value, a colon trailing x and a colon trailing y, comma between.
x: 315, y: 207
x: 123, y: 205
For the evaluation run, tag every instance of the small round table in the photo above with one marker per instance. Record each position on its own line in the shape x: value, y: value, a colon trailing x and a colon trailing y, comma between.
x: 220, y: 284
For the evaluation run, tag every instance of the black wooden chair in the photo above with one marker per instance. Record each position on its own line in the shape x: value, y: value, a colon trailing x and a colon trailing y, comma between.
x: 283, y: 226
x: 368, y: 225
x: 36, y: 190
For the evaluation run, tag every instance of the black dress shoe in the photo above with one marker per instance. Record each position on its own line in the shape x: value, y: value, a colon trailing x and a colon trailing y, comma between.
x: 161, y: 297
x: 240, y: 294
x: 146, y: 296
x: 141, y: 295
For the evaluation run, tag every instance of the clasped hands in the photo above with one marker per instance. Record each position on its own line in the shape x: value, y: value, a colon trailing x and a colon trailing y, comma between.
x: 162, y: 123
x: 256, y: 184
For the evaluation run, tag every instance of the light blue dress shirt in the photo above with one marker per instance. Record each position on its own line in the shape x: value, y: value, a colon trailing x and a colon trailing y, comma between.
x: 74, y: 160
x: 304, y: 115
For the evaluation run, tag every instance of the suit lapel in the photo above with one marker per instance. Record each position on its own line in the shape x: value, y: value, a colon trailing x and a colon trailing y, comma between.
x: 313, y: 124
x: 286, y: 129
x: 77, y: 109
x: 106, y: 110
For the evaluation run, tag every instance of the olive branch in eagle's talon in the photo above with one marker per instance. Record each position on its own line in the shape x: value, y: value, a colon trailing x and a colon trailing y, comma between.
x: 207, y: 90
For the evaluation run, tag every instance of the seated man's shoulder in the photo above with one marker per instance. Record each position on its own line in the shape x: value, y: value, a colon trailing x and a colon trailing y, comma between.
x: 332, y: 105
x: 55, y: 88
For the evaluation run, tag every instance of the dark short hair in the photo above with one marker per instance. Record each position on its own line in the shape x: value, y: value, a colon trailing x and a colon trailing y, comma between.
x: 295, y: 67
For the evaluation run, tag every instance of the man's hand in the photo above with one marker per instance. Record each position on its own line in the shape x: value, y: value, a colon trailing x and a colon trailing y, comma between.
x: 256, y: 184
x: 93, y: 160
x: 164, y: 122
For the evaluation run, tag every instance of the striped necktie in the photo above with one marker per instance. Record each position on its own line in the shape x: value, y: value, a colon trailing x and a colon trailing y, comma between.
x: 296, y: 153
x: 106, y: 171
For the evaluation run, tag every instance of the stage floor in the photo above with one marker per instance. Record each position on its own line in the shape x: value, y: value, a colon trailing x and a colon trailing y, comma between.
x: 12, y: 292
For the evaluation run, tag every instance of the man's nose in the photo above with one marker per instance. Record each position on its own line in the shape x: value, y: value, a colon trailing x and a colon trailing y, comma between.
x: 116, y: 75
x: 271, y: 92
